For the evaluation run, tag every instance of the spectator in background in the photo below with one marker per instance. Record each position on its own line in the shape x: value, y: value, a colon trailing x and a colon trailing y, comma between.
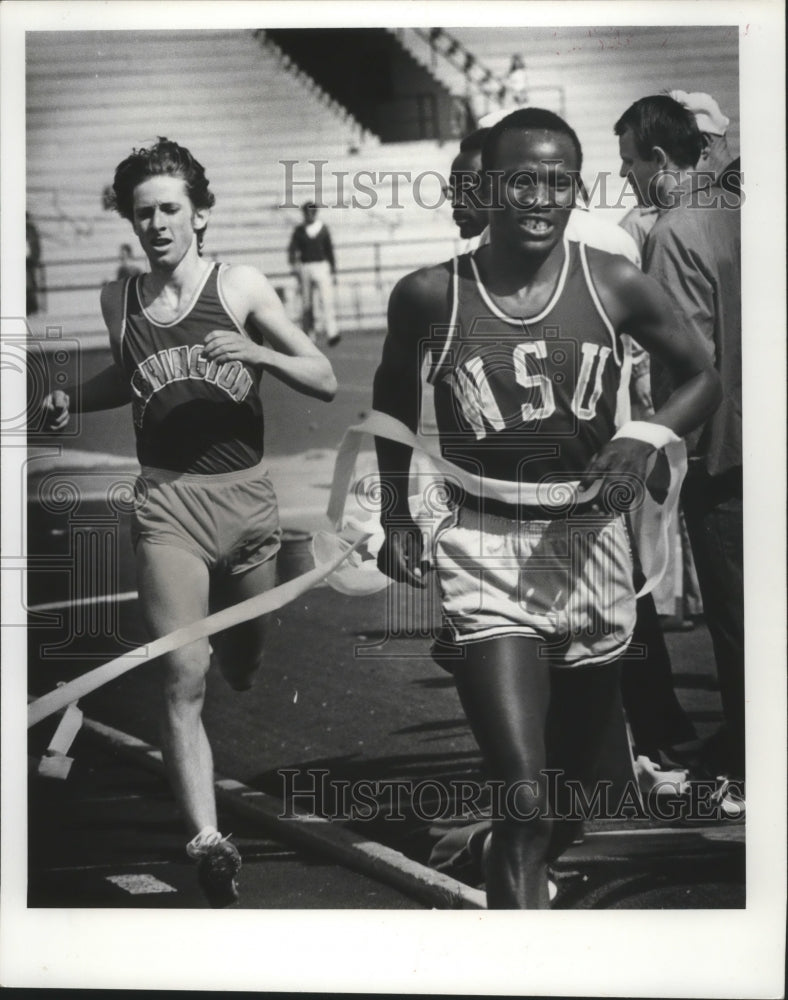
x: 464, y: 188
x: 675, y: 596
x: 713, y: 124
x: 668, y: 594
x: 127, y: 267
x: 659, y: 144
x: 311, y: 256
x: 517, y: 81
x: 32, y: 265
x: 715, y: 158
x: 694, y: 251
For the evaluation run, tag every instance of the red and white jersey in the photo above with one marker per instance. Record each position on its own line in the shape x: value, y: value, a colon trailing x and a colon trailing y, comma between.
x: 190, y: 415
x: 524, y: 398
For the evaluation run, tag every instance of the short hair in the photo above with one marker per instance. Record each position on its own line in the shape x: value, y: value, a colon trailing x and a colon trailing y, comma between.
x: 521, y: 120
x: 309, y: 204
x: 474, y: 142
x: 163, y: 159
x: 660, y: 121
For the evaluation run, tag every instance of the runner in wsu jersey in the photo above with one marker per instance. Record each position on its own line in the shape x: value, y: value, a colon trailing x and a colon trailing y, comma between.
x: 187, y: 342
x: 523, y: 397
x: 521, y: 348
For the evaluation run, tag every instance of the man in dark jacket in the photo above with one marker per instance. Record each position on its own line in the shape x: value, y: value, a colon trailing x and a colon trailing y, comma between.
x: 694, y: 251
x: 311, y: 255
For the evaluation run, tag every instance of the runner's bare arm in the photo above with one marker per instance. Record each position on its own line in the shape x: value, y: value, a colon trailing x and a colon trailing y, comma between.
x: 637, y: 305
x: 415, y: 304
x: 105, y: 391
x: 291, y: 356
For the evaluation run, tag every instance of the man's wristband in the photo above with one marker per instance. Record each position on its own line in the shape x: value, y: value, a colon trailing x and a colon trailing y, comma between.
x: 657, y: 435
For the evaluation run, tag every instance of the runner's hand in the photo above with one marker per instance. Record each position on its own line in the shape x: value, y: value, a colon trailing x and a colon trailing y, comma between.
x: 229, y: 345
x: 620, y: 469
x: 401, y: 555
x: 56, y: 410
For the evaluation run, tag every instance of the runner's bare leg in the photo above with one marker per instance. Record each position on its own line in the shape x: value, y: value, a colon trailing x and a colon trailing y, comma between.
x: 173, y: 586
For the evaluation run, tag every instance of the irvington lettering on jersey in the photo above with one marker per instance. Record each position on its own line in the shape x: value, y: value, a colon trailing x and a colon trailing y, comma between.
x: 178, y: 363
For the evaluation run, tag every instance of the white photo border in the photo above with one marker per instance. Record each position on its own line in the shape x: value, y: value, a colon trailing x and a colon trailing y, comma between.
x: 720, y: 953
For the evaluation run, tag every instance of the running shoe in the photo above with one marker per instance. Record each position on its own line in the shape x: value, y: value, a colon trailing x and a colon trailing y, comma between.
x: 217, y: 869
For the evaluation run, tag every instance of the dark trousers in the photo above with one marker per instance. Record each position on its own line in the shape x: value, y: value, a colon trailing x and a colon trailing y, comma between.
x: 656, y: 719
x: 713, y: 514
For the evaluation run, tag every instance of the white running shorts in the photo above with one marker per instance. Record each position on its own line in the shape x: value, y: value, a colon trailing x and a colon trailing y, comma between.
x: 567, y: 581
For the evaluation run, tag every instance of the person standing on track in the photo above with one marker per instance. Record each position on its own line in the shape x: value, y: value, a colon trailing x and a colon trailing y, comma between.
x: 716, y: 157
x: 536, y: 576
x: 190, y: 341
x: 694, y: 252
x: 311, y: 255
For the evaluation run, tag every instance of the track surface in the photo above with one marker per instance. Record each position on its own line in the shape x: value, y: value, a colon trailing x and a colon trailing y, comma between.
x: 338, y: 695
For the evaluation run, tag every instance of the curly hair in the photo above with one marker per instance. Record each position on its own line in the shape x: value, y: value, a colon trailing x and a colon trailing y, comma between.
x: 164, y: 158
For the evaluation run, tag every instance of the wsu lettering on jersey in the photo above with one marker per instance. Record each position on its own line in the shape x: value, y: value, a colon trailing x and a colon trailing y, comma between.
x: 522, y: 398
x: 175, y: 364
x: 527, y: 368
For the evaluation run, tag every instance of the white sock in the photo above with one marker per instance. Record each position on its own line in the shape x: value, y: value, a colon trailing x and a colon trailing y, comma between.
x: 205, y: 839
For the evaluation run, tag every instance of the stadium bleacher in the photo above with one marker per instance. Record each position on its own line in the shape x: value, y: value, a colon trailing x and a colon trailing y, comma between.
x: 244, y: 109
x: 235, y: 104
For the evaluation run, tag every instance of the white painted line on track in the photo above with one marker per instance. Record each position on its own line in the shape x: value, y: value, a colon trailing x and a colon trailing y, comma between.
x: 140, y: 885
x: 644, y: 832
x: 327, y: 838
x: 249, y: 855
x: 716, y: 831
x: 127, y: 595
x: 107, y: 865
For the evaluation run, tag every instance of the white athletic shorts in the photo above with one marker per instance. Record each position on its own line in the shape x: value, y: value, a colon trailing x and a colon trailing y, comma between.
x: 566, y: 581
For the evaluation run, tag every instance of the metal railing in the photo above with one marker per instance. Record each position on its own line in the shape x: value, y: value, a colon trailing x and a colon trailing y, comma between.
x: 474, y: 71
x: 492, y: 93
x: 359, y: 287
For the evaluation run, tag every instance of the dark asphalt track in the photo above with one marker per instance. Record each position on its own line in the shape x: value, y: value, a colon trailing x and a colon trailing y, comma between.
x: 390, y: 715
x: 110, y: 836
